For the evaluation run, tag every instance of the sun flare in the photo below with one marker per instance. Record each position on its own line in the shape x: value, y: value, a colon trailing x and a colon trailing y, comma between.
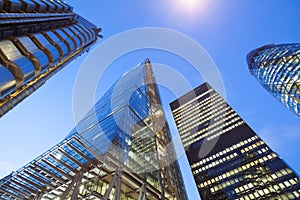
x: 189, y: 4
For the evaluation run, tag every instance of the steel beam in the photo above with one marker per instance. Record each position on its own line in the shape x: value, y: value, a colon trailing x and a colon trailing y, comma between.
x: 10, y: 194
x: 40, y: 179
x: 64, y: 164
x: 77, y: 179
x: 116, y: 178
x: 72, y: 159
x: 38, y: 169
x: 24, y: 186
x: 76, y: 190
x: 39, y: 187
x: 142, y: 195
x: 118, y: 188
x: 57, y: 169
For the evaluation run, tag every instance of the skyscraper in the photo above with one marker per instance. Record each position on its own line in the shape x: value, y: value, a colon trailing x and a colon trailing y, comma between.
x: 227, y: 158
x: 37, y: 39
x: 121, y: 149
x: 277, y: 69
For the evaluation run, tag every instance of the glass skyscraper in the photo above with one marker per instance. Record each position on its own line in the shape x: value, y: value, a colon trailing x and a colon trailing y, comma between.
x: 227, y: 158
x: 37, y: 39
x: 277, y: 69
x: 121, y: 149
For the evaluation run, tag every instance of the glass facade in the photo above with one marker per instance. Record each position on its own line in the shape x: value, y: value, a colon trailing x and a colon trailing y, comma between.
x: 227, y: 158
x: 277, y: 69
x: 118, y: 150
x: 120, y: 126
x: 37, y: 39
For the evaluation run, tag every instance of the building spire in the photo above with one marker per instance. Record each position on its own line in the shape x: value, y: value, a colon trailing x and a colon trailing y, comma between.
x: 147, y: 61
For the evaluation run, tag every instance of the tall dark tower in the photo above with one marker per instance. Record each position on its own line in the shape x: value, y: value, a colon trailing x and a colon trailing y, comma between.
x: 121, y: 149
x: 277, y: 69
x: 37, y: 39
x: 227, y: 158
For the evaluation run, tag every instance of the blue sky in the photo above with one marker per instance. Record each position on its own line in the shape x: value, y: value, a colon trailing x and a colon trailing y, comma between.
x: 226, y: 29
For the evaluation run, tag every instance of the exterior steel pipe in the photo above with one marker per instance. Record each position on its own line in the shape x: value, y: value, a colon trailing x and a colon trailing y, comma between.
x: 73, y: 37
x: 50, y: 50
x: 33, y: 53
x: 79, y: 34
x: 7, y: 81
x: 12, y: 5
x: 27, y: 6
x: 20, y: 66
x: 39, y: 6
x: 20, y: 96
x: 60, y: 45
x: 70, y: 43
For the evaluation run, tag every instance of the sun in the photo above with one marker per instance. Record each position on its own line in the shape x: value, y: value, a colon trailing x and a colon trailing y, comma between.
x: 186, y: 12
x: 189, y: 5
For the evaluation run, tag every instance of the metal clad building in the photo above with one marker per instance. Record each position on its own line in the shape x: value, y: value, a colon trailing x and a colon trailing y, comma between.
x: 37, y: 39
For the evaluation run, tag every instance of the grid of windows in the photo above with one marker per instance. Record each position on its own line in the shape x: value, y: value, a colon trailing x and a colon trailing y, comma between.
x: 237, y: 164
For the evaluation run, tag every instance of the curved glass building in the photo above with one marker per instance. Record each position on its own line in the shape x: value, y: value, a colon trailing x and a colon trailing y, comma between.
x: 277, y: 68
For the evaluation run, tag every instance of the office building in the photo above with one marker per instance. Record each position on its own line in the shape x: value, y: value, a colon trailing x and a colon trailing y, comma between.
x: 227, y: 158
x: 121, y: 149
x: 37, y: 39
x: 277, y: 69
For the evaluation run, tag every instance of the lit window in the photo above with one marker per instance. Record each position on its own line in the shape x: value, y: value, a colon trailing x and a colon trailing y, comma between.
x: 274, y: 176
x: 293, y: 182
x: 281, y: 186
x: 296, y: 194
x: 261, y: 193
x: 287, y: 184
